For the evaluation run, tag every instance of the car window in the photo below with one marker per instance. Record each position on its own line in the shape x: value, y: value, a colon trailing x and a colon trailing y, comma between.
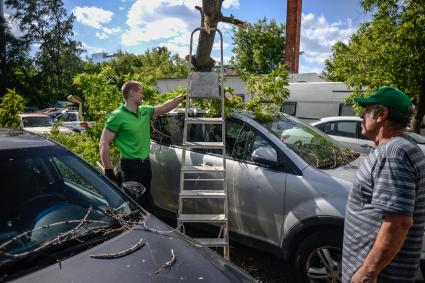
x: 38, y: 121
x: 313, y: 146
x: 256, y: 141
x: 168, y: 130
x: 233, y: 129
x: 346, y: 129
x: 243, y: 139
x: 72, y: 117
x: 48, y: 186
x: 342, y: 128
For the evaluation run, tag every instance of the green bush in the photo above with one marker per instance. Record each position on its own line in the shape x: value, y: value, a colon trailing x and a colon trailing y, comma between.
x: 11, y: 104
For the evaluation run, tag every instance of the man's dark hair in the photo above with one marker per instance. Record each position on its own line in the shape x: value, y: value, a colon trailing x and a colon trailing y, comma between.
x: 129, y: 86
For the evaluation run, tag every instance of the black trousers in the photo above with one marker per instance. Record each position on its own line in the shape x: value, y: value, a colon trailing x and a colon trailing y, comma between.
x: 139, y: 170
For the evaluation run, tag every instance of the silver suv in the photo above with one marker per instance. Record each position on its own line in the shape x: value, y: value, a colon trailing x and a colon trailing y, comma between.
x: 287, y: 182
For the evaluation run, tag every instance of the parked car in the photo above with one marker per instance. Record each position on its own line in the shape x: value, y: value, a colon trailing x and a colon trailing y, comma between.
x: 290, y: 201
x: 40, y: 123
x: 347, y: 130
x: 63, y: 221
x: 286, y: 193
x: 70, y: 119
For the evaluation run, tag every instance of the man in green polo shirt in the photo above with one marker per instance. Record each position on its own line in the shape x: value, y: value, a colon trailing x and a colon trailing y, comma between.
x: 129, y: 127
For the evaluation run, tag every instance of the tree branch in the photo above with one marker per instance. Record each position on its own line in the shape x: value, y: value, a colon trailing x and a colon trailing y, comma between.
x: 233, y: 21
x: 202, y: 14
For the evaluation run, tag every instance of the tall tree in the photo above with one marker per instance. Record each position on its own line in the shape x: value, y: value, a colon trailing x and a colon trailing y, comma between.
x: 20, y: 73
x: 259, y: 48
x: 388, y: 50
x: 46, y: 23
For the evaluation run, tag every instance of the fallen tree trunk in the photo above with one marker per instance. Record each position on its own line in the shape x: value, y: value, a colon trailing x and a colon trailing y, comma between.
x: 210, y: 17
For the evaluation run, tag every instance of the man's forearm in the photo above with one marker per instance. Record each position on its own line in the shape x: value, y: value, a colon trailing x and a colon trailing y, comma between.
x: 390, y: 239
x: 170, y: 105
x: 105, y: 156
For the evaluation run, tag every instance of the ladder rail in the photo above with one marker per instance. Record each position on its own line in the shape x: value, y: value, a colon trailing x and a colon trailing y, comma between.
x: 182, y: 218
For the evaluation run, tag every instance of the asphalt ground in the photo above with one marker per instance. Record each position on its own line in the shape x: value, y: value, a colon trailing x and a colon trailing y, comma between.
x: 264, y: 267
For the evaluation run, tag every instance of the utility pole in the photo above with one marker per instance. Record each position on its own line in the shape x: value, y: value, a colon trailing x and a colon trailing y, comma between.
x: 2, y: 50
x: 293, y: 32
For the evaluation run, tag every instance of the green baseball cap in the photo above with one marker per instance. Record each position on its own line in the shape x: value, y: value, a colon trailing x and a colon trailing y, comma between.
x: 390, y: 97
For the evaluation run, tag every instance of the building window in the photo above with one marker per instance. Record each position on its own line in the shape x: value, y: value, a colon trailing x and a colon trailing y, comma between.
x: 289, y: 108
x: 346, y: 110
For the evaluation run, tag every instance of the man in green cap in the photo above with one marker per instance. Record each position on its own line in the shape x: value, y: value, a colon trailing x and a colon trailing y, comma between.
x: 385, y: 214
x: 129, y: 127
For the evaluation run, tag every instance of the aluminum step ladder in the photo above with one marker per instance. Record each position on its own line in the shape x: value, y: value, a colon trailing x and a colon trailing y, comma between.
x: 204, y: 85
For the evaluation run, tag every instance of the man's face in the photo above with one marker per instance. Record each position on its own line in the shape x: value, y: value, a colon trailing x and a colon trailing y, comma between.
x: 371, y: 121
x: 137, y: 96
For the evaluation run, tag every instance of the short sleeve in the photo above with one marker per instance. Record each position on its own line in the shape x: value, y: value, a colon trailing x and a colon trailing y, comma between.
x: 113, y: 123
x: 395, y: 186
x: 147, y: 109
x: 152, y: 110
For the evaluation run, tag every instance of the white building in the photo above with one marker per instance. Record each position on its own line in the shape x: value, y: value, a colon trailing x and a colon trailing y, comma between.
x: 311, y: 96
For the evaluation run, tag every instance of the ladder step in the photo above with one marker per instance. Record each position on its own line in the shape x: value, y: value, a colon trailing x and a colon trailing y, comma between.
x: 203, y: 194
x: 204, y: 180
x: 212, y: 242
x: 202, y: 169
x: 207, y: 218
x: 212, y: 145
x: 205, y: 120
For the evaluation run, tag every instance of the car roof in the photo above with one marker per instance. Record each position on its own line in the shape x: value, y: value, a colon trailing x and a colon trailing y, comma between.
x: 18, y: 138
x: 338, y: 118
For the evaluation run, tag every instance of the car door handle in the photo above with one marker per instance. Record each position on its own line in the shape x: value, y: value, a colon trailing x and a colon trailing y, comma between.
x: 208, y: 164
x: 366, y: 146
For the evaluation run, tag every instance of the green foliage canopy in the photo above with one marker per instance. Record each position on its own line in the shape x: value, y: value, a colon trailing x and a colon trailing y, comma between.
x: 259, y: 48
x: 47, y: 24
x: 388, y: 50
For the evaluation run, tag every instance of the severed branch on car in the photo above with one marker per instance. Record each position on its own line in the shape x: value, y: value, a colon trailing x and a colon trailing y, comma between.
x: 122, y: 253
x: 168, y: 263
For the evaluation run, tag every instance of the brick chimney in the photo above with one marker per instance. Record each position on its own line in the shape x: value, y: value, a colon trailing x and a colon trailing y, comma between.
x: 293, y: 31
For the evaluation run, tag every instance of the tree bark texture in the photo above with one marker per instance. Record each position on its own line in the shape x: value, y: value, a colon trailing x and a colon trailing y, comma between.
x: 210, y: 17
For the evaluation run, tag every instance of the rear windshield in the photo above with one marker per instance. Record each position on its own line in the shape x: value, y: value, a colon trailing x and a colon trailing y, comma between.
x: 41, y: 121
x: 316, y: 148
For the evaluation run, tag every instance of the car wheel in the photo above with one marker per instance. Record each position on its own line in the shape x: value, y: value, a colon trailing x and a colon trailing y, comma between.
x: 319, y: 258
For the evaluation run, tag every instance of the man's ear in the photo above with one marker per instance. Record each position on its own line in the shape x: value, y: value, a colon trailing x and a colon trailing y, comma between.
x: 383, y: 115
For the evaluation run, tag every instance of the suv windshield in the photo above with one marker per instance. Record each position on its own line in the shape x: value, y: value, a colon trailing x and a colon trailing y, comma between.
x: 49, y: 196
x: 38, y: 121
x: 315, y: 148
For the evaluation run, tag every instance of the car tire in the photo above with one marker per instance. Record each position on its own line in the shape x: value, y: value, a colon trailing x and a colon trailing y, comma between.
x: 319, y: 258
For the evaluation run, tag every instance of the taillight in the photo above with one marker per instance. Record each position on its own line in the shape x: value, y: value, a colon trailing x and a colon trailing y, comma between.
x: 84, y: 124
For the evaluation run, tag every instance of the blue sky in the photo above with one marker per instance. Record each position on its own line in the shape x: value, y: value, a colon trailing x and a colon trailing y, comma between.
x: 138, y: 25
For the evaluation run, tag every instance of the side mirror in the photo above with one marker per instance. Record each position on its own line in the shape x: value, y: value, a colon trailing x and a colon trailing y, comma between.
x: 133, y: 188
x: 265, y: 155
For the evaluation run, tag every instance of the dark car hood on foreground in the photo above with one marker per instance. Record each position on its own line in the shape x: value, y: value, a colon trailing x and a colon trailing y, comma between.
x: 193, y: 263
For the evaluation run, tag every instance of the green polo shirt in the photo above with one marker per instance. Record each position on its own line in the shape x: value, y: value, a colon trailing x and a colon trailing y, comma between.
x: 132, y: 131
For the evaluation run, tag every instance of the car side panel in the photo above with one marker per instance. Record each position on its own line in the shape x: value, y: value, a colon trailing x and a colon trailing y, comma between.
x: 257, y: 196
x: 165, y: 162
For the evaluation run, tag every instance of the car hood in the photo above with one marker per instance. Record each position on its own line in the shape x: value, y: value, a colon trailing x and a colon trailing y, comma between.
x: 347, y: 172
x: 193, y: 262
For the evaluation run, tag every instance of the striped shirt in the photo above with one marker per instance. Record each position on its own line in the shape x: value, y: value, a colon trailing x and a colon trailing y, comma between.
x: 391, y: 179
